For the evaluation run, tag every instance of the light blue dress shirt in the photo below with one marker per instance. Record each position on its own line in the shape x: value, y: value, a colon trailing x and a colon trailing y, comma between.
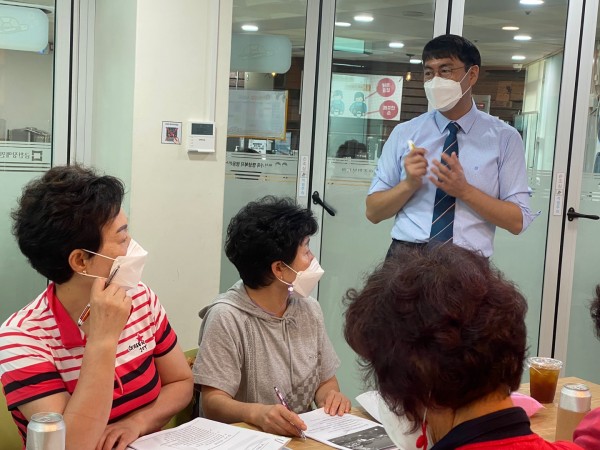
x: 493, y: 159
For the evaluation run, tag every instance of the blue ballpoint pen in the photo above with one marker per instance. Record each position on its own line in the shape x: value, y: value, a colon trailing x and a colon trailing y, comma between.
x: 284, y: 403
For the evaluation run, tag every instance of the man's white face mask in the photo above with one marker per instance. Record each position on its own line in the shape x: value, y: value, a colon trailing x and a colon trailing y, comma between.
x: 443, y: 94
x: 399, y: 430
x: 130, y: 266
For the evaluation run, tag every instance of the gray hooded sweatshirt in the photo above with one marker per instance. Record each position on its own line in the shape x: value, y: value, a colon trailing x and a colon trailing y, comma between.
x: 246, y: 352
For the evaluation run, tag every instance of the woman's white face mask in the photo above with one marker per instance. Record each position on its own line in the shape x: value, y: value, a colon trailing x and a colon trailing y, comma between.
x: 306, y: 280
x: 399, y: 430
x: 443, y: 94
x: 130, y: 267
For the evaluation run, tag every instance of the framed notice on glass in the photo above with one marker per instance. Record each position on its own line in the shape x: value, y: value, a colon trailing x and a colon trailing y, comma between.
x: 257, y: 114
x: 366, y: 96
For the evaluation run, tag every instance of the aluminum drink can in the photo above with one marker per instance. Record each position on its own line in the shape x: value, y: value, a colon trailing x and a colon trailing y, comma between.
x: 46, y: 431
x: 575, y: 402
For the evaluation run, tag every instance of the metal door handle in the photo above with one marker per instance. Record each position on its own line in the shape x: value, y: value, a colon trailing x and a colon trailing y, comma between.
x: 572, y: 214
x: 316, y: 198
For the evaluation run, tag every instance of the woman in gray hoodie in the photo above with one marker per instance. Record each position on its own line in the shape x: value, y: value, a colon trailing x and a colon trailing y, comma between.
x: 266, y: 331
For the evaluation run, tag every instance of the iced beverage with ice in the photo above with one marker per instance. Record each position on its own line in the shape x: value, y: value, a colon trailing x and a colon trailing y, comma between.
x: 543, y: 377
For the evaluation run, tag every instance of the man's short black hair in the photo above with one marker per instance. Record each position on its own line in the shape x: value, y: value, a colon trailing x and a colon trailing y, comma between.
x: 449, y: 46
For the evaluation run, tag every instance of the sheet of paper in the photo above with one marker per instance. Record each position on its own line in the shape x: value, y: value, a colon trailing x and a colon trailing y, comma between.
x: 370, y: 402
x: 346, y: 432
x: 204, y: 434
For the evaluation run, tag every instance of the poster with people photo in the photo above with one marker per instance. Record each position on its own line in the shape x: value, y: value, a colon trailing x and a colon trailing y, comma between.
x: 366, y: 96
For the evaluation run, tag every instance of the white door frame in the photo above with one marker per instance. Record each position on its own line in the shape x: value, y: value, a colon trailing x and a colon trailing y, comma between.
x: 73, y: 83
x: 577, y: 71
x: 61, y: 114
x: 321, y: 110
x: 308, y: 102
x: 84, y: 19
x: 448, y: 21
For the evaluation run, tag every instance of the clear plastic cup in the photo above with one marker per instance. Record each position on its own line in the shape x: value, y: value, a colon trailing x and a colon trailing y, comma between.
x: 543, y: 378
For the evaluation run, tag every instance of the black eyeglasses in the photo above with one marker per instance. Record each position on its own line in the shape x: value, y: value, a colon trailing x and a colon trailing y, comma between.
x: 444, y: 72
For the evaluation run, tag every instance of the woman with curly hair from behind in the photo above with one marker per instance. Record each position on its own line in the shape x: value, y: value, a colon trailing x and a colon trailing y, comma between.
x: 443, y: 336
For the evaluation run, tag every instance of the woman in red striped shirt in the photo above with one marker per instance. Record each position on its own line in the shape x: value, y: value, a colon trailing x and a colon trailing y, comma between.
x: 119, y: 373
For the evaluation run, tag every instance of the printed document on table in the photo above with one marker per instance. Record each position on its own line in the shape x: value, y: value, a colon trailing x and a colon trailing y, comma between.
x: 204, y: 434
x: 346, y: 432
x: 370, y: 402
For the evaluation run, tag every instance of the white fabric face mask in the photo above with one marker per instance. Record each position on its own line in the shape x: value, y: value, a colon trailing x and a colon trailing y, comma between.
x: 399, y: 430
x: 306, y: 280
x: 444, y: 94
x: 130, y: 266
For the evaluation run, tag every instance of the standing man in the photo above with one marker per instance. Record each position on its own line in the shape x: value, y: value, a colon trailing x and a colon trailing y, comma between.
x: 455, y: 173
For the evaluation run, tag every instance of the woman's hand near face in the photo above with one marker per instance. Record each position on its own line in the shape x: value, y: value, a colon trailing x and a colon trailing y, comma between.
x: 109, y: 310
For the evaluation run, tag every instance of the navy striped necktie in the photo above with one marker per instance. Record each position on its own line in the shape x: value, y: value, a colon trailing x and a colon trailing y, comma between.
x: 442, y: 222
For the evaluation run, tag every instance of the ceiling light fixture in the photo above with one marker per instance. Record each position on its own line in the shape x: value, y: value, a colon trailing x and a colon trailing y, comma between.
x: 518, y: 57
x: 532, y: 2
x: 522, y: 37
x: 249, y: 27
x: 343, y: 24
x: 364, y: 18
x: 510, y: 28
x: 413, y: 60
x: 396, y: 44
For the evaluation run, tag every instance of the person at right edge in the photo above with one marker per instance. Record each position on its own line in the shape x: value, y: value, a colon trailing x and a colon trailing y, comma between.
x: 587, y: 433
x: 464, y: 162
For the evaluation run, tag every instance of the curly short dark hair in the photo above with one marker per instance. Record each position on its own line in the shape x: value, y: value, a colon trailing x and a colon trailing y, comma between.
x: 437, y: 327
x: 265, y: 231
x: 449, y: 46
x: 64, y: 210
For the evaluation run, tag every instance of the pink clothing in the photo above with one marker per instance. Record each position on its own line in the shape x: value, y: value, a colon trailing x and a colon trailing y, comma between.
x: 529, y: 442
x: 587, y: 433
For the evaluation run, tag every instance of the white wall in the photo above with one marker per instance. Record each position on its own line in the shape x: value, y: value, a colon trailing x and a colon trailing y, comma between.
x: 26, y: 89
x: 152, y: 63
x: 177, y: 200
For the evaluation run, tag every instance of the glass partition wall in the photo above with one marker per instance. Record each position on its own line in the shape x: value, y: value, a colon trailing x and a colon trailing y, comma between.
x: 263, y: 130
x: 522, y: 61
x: 26, y: 106
x: 574, y: 317
x: 367, y: 79
x: 376, y: 83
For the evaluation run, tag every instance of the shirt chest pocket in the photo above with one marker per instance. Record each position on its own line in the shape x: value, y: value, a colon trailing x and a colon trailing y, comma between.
x: 482, y: 174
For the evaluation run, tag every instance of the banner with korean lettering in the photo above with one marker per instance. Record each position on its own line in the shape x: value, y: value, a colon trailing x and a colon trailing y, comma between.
x: 18, y: 156
x: 366, y: 96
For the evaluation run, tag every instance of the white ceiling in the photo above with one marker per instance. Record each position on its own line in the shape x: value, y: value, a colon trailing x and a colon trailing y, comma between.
x: 411, y: 22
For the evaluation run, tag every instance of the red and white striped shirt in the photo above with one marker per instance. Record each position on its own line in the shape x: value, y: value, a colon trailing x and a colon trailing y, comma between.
x: 41, y: 349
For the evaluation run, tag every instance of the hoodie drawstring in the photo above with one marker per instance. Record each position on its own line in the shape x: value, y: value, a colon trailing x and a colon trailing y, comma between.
x: 286, y: 336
